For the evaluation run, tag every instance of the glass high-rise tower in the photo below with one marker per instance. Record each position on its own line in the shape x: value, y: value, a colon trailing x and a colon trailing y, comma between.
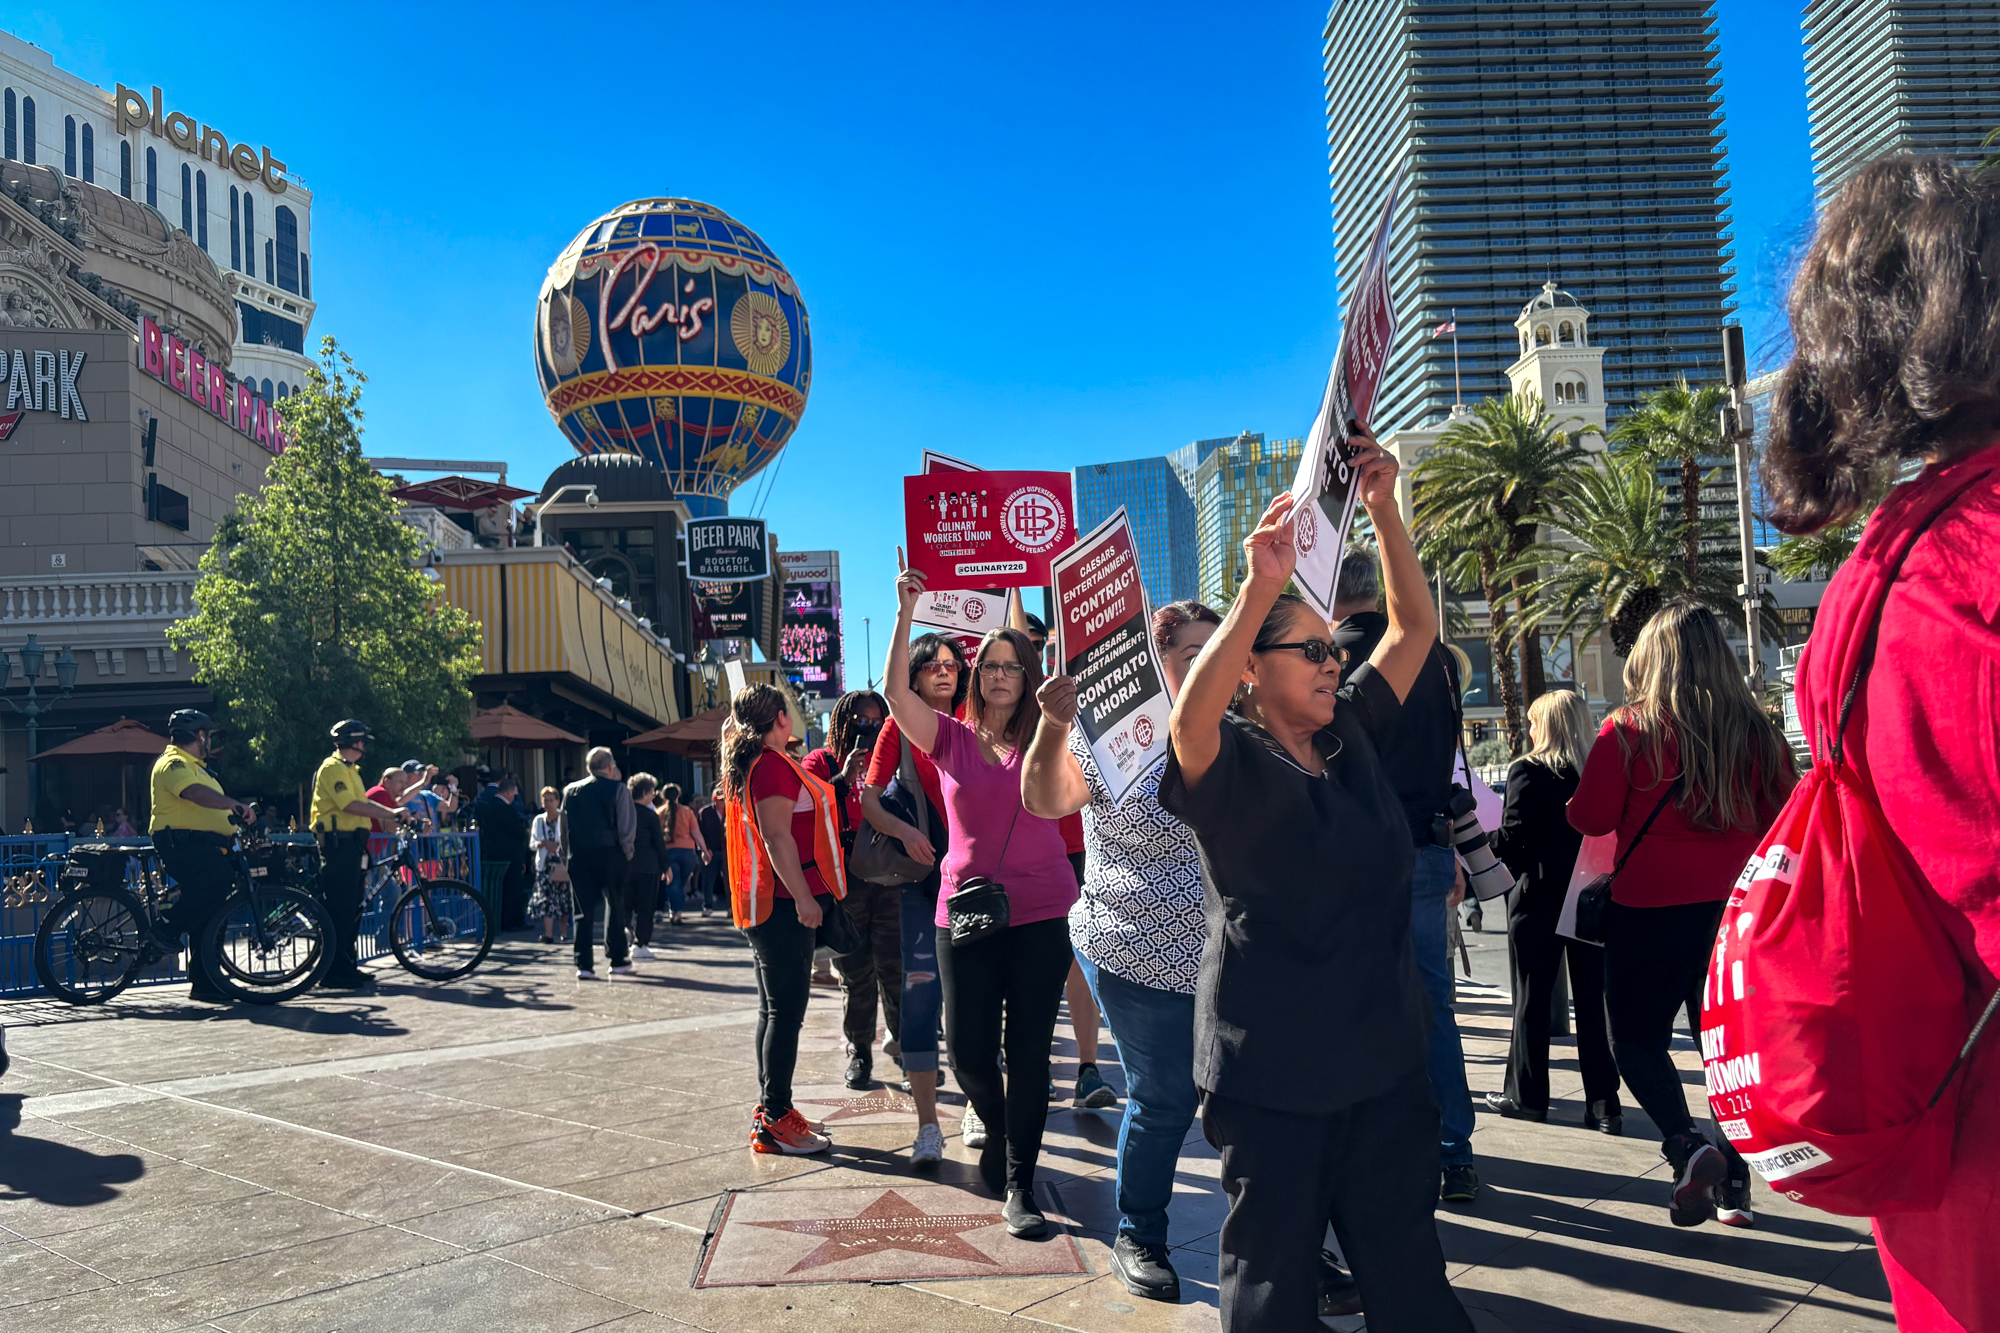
x: 1912, y: 76
x: 1580, y: 142
x: 1161, y: 512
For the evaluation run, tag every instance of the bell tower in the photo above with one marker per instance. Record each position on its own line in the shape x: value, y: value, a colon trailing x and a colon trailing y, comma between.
x: 1558, y: 365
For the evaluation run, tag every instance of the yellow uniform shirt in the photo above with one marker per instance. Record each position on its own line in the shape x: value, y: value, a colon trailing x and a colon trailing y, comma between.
x: 336, y: 786
x: 173, y: 773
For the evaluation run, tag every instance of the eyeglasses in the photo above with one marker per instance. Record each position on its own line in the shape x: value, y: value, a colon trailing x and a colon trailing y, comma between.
x: 944, y: 666
x: 1316, y: 650
x: 1011, y: 670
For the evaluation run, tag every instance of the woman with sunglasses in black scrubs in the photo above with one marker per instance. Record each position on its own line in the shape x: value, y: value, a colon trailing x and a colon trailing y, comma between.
x: 1310, y: 1020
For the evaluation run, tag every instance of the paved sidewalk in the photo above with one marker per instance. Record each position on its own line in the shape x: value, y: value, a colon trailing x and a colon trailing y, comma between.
x: 525, y: 1152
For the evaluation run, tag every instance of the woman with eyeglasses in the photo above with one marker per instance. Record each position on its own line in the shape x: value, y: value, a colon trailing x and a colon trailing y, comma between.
x: 1310, y: 1020
x: 1005, y: 989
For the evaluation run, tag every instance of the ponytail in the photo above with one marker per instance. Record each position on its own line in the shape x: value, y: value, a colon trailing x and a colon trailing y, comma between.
x: 755, y: 711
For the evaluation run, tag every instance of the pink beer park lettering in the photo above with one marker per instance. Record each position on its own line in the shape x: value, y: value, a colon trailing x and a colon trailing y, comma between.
x: 187, y: 372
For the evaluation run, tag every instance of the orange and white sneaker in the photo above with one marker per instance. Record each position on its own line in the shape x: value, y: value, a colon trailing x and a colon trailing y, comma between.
x: 790, y: 1134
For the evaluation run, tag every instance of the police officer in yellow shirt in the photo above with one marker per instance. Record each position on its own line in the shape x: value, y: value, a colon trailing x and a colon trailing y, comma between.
x: 192, y: 832
x: 343, y: 817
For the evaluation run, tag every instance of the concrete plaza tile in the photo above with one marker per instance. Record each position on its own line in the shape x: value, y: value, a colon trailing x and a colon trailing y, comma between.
x: 1789, y: 1242
x: 462, y: 1129
x: 30, y: 1273
x: 447, y: 1075
x: 521, y: 1215
x: 82, y: 1204
x: 1102, y: 1305
x: 564, y: 1160
x: 169, y: 1239
x: 471, y: 1293
x: 702, y: 1177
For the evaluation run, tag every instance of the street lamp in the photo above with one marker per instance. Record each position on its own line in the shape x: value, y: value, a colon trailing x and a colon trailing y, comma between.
x: 589, y: 498
x: 33, y: 657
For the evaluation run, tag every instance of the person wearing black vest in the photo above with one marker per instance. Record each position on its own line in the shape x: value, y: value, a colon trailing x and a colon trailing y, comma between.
x: 599, y: 829
x: 1310, y: 1019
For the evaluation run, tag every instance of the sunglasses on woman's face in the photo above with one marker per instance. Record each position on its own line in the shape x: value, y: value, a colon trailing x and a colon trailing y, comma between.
x: 1316, y: 650
x: 943, y: 666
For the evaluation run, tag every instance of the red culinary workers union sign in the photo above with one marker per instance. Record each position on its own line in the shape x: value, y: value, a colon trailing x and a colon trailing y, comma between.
x: 987, y: 529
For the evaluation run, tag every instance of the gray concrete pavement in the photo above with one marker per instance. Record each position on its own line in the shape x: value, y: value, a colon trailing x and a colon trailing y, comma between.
x: 525, y: 1152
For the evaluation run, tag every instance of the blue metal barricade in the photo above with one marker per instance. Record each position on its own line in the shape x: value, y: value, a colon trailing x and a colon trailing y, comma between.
x: 29, y: 889
x: 441, y: 855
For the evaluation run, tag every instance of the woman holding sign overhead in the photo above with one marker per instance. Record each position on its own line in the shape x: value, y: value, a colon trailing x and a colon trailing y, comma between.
x: 1310, y: 1020
x: 1003, y: 937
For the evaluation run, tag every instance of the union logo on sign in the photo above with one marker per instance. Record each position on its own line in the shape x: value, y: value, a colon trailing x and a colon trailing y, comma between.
x: 1142, y: 731
x: 974, y: 609
x: 1032, y: 519
x: 1308, y: 528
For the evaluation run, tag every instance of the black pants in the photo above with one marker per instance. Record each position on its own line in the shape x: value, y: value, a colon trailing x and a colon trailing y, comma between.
x: 343, y: 873
x: 1372, y: 1169
x: 1006, y: 991
x: 875, y: 970
x: 514, y: 894
x: 1537, y: 954
x: 199, y: 864
x: 783, y: 950
x: 1655, y: 962
x: 642, y: 899
x: 598, y: 874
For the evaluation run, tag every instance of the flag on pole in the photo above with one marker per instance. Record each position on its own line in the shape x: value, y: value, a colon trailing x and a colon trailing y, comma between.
x: 1449, y: 326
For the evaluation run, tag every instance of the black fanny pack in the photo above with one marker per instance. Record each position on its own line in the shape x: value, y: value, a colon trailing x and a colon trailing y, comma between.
x: 979, y: 908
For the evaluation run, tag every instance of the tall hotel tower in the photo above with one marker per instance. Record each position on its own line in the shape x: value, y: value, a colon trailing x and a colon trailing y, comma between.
x: 1579, y: 143
x: 1915, y: 76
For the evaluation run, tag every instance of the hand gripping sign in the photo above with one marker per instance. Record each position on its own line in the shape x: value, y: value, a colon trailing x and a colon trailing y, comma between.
x: 1104, y: 632
x: 1323, y: 489
x: 987, y: 529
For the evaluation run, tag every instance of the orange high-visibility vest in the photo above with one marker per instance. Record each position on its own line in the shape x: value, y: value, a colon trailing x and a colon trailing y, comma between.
x: 753, y: 881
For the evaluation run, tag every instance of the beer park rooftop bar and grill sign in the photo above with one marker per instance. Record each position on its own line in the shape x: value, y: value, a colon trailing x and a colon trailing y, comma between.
x: 193, y: 376
x: 727, y: 550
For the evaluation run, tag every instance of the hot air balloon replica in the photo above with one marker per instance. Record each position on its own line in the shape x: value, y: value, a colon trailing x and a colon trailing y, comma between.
x: 669, y: 330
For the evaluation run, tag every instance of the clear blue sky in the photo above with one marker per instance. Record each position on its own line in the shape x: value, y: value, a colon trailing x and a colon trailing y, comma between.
x: 1031, y: 235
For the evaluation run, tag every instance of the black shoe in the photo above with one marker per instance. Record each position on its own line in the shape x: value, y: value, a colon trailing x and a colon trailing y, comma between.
x: 356, y: 980
x: 1339, y: 1294
x: 1732, y: 1204
x: 1698, y: 1171
x: 1024, y: 1220
x: 1605, y: 1117
x: 4, y: 1061
x: 993, y: 1165
x: 1461, y: 1184
x: 209, y: 995
x: 1513, y: 1110
x: 1145, y: 1270
x: 860, y: 1071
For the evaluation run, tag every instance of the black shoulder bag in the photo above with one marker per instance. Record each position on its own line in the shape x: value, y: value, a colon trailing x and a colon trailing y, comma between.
x: 880, y: 859
x: 1593, y: 901
x: 980, y: 908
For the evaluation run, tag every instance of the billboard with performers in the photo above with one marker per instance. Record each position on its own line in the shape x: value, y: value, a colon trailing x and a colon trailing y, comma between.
x: 727, y: 550
x: 1105, y: 643
x: 987, y: 529
x: 809, y: 638
x: 1323, y: 489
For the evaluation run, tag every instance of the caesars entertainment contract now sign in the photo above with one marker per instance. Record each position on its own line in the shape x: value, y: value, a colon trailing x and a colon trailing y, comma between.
x: 727, y: 550
x: 1104, y: 633
x: 987, y: 529
x: 1323, y: 491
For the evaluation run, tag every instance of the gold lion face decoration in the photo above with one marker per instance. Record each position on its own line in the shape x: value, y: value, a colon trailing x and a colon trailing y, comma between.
x: 757, y: 325
x: 565, y: 331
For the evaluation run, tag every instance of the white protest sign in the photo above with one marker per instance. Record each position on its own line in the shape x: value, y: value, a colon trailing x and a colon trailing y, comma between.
x: 1104, y: 633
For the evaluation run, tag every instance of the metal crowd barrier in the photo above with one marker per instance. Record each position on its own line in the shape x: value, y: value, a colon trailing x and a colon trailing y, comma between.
x: 30, y: 888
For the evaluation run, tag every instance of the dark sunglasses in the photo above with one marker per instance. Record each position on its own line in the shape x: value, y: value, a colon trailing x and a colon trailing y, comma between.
x: 1316, y: 650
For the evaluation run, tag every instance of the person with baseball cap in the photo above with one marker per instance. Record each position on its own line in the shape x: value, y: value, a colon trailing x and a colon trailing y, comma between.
x: 342, y: 818
x: 192, y: 832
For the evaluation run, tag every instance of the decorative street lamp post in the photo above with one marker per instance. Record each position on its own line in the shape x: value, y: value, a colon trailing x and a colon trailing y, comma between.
x: 32, y: 657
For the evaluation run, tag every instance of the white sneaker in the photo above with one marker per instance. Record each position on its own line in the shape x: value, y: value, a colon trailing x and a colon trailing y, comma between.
x: 585, y: 974
x: 623, y: 970
x: 972, y: 1129
x: 930, y: 1147
x: 642, y: 952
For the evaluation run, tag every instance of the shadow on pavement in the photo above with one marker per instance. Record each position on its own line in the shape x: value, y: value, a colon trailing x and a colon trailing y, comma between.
x: 57, y: 1173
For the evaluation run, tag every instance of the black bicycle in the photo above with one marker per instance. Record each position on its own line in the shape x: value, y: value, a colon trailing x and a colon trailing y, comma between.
x: 270, y: 940
x: 439, y: 928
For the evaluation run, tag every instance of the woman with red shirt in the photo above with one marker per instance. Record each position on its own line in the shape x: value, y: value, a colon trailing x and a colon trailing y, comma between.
x: 1688, y: 774
x: 1897, y: 325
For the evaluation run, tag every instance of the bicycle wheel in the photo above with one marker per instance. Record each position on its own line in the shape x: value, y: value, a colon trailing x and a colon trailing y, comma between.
x: 91, y: 945
x: 268, y: 944
x: 440, y: 929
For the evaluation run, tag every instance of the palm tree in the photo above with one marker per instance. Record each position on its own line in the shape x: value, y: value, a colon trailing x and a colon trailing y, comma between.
x: 1678, y: 424
x: 1818, y: 554
x: 1482, y: 490
x: 1615, y: 557
x: 1467, y: 554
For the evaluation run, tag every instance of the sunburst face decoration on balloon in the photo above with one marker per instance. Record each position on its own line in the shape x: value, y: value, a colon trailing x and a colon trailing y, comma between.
x: 669, y: 330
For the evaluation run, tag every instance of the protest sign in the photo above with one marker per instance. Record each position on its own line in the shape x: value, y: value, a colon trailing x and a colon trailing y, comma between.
x: 1323, y: 491
x: 1104, y: 632
x: 987, y: 529
x: 732, y: 672
x: 937, y: 462
x: 961, y: 611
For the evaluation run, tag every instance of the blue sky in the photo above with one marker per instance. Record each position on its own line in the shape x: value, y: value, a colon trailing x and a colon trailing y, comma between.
x: 1031, y: 235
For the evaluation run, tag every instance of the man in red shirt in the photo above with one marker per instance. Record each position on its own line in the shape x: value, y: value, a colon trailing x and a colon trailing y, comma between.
x: 389, y: 791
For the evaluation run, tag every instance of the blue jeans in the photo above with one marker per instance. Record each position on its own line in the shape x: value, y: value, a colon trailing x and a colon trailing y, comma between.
x: 923, y: 993
x: 1154, y: 1030
x: 1430, y: 936
x: 685, y: 864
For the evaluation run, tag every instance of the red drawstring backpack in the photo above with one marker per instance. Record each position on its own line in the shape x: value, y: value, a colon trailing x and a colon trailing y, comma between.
x: 1834, y: 1016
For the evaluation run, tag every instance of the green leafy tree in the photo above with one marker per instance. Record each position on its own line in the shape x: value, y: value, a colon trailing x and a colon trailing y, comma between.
x: 1816, y: 555
x: 1678, y: 425
x: 310, y: 607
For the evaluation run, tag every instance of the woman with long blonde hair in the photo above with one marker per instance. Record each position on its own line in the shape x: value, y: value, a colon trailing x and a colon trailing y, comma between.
x: 1689, y: 774
x: 1539, y: 846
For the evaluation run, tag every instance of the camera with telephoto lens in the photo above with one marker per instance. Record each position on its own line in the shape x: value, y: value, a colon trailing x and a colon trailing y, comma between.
x: 1485, y: 874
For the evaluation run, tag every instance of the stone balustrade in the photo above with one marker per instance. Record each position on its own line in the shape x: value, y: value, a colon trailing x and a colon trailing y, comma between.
x: 76, y: 600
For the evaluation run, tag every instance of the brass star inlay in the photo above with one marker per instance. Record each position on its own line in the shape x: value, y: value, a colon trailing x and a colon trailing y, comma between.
x: 891, y: 1222
x: 874, y: 1103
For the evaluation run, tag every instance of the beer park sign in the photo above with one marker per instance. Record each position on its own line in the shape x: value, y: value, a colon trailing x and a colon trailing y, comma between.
x: 202, y: 382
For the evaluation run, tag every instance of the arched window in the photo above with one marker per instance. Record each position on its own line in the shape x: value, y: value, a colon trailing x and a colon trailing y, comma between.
x: 235, y: 234
x: 267, y: 392
x: 89, y: 154
x: 187, y: 198
x: 69, y: 147
x: 11, y: 144
x: 283, y: 392
x: 286, y: 224
x: 1541, y: 335
x: 125, y: 168
x: 152, y: 178
x: 201, y: 209
x: 249, y: 234
x: 1566, y: 334
x: 28, y: 130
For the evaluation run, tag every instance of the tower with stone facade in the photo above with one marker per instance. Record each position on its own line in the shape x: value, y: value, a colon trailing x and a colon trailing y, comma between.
x: 1558, y: 364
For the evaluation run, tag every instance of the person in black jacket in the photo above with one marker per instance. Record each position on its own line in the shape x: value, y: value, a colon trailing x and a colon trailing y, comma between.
x: 649, y: 860
x: 715, y: 849
x: 1539, y: 846
x: 503, y: 838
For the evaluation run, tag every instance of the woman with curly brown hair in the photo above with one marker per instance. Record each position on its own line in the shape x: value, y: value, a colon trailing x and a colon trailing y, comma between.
x: 1896, y: 317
